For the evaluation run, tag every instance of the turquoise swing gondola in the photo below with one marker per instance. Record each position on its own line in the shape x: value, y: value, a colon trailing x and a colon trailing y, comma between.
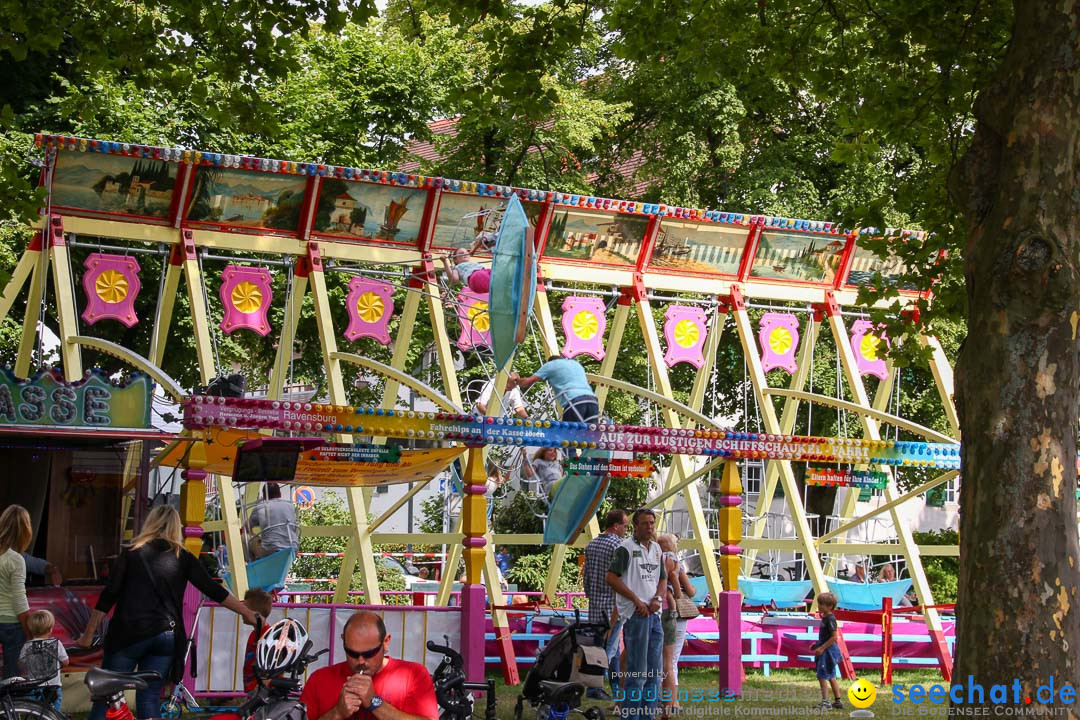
x: 513, y: 283
x: 867, y: 596
x: 777, y: 593
x: 513, y: 288
x: 267, y: 573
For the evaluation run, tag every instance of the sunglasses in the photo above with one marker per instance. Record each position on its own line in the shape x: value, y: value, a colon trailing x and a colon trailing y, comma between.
x: 366, y: 654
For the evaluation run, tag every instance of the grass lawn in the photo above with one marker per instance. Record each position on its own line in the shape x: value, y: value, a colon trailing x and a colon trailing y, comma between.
x: 784, y: 694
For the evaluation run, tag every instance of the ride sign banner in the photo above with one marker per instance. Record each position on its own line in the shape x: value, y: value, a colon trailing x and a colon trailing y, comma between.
x: 48, y: 400
x: 642, y: 468
x: 202, y: 412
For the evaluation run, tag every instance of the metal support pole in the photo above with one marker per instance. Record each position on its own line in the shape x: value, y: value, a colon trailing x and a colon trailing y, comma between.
x: 729, y: 602
x: 22, y: 272
x: 163, y: 313
x: 200, y: 314
x: 38, y: 279
x: 293, y: 305
x: 63, y: 288
x: 358, y: 549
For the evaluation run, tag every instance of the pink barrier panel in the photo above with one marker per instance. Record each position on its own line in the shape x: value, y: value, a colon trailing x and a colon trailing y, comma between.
x: 703, y: 645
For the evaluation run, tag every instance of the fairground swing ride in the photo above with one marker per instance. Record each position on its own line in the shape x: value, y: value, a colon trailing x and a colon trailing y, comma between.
x: 288, y: 231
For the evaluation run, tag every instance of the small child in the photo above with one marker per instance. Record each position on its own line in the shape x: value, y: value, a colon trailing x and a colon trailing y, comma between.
x: 468, y: 272
x: 827, y: 652
x: 260, y: 601
x: 43, y: 655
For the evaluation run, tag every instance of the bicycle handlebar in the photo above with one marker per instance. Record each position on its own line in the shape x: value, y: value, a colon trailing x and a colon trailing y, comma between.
x: 308, y: 659
x: 442, y: 649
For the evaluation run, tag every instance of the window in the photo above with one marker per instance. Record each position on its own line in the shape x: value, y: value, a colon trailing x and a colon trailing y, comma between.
x: 753, y: 477
x: 952, y: 491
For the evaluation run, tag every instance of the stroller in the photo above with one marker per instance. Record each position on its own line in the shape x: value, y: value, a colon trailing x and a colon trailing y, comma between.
x: 573, y: 659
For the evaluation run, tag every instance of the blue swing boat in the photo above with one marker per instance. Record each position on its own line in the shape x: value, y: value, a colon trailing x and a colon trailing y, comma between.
x: 513, y: 283
x: 778, y: 593
x: 267, y: 573
x: 761, y: 593
x: 867, y: 596
x: 574, y: 501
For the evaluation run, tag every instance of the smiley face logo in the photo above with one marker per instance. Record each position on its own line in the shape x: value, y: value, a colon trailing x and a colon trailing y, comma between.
x: 862, y: 694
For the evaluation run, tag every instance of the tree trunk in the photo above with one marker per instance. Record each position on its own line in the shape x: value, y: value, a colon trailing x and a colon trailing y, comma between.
x: 1018, y: 385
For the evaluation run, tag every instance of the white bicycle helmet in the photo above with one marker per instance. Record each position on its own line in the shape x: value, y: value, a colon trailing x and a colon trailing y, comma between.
x: 280, y: 646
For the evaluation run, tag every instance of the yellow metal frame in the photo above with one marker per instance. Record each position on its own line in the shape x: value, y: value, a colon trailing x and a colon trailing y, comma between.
x: 50, y: 256
x: 788, y: 417
x: 872, y: 432
x: 680, y: 464
x: 772, y: 426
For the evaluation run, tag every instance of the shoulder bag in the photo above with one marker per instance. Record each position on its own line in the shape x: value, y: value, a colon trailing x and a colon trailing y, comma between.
x: 685, y: 609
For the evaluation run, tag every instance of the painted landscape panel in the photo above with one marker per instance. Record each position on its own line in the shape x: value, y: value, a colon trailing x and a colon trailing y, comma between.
x: 613, y: 239
x: 227, y: 196
x: 462, y: 217
x: 113, y: 184
x: 698, y: 247
x: 803, y: 258
x: 867, y: 263
x: 369, y: 211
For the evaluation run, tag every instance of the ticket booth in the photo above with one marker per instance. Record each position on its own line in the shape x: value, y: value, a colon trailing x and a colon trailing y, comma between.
x: 76, y: 456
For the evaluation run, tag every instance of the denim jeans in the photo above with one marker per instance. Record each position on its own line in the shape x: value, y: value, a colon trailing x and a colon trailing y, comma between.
x: 644, y: 665
x: 153, y: 653
x: 612, y: 649
x: 12, y: 638
x: 583, y: 408
x: 51, y: 695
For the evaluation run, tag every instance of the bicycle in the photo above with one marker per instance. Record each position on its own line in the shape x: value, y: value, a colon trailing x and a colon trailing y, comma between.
x: 181, y: 699
x: 17, y: 694
x: 15, y: 703
x: 108, y: 686
x: 277, y: 694
x: 277, y: 699
x: 452, y: 692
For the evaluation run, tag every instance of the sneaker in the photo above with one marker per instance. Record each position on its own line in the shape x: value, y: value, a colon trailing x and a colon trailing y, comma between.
x: 837, y: 705
x: 826, y: 704
x: 597, y: 694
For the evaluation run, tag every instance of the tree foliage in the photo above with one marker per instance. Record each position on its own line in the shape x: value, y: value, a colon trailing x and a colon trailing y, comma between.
x: 323, y: 572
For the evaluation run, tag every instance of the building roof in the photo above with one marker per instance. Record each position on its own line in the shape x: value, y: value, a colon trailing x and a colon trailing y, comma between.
x: 419, y: 151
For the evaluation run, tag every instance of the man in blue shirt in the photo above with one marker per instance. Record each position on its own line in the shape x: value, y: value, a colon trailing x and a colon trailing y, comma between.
x: 572, y: 390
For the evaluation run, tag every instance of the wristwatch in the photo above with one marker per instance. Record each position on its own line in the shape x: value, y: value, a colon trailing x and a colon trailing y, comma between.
x: 658, y: 599
x: 375, y: 704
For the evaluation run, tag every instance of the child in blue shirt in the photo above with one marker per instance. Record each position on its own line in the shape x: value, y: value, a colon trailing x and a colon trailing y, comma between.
x: 827, y: 652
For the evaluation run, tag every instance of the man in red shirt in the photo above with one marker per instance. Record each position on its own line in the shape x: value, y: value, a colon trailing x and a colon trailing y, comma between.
x: 369, y: 685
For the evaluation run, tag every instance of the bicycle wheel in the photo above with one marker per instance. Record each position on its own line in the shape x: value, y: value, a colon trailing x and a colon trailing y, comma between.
x: 25, y: 709
x: 170, y: 709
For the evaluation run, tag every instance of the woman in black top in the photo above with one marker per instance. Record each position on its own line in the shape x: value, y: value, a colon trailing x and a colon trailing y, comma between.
x: 147, y: 584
